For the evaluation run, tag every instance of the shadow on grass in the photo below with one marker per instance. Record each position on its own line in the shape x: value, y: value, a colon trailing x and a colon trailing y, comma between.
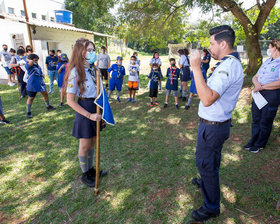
x: 151, y: 161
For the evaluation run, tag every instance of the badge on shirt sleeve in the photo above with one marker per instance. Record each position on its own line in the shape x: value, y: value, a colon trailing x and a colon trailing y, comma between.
x: 272, y: 70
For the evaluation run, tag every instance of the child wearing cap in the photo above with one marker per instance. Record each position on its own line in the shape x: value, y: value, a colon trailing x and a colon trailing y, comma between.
x: 154, y: 78
x: 61, y: 70
x: 172, y: 74
x: 116, y: 78
x: 133, y: 79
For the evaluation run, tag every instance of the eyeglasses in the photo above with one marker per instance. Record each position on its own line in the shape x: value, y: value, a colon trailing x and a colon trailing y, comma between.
x: 90, y: 50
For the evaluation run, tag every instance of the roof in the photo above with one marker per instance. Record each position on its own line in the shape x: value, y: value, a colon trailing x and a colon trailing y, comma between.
x: 53, y: 25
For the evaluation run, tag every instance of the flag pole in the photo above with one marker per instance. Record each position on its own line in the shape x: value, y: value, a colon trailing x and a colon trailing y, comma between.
x: 97, y: 136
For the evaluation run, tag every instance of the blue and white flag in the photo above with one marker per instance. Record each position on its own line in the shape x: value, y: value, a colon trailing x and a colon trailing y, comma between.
x: 103, y: 102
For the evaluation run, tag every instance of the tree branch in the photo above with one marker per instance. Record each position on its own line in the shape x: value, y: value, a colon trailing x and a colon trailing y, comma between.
x: 264, y: 13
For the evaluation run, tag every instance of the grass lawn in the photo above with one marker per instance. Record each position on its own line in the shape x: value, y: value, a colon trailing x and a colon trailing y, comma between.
x: 149, y: 154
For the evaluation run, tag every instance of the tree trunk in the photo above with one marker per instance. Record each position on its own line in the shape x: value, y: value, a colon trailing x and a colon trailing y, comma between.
x: 253, y: 49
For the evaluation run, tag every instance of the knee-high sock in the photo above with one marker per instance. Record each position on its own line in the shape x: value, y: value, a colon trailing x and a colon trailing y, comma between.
x: 118, y: 93
x: 184, y: 93
x: 90, y: 158
x: 189, y: 101
x: 83, y: 163
x: 28, y: 108
x: 109, y: 94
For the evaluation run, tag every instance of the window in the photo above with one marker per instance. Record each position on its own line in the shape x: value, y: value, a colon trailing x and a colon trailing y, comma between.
x: 11, y: 10
x: 22, y: 13
x: 52, y: 19
x: 43, y: 17
x: 34, y: 16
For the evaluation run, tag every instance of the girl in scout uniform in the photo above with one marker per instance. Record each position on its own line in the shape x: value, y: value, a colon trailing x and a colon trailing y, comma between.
x: 267, y: 83
x: 80, y: 82
x: 184, y: 64
x: 35, y: 83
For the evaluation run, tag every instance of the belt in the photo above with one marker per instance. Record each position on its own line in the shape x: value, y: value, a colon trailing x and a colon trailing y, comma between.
x: 213, y: 122
x: 88, y: 99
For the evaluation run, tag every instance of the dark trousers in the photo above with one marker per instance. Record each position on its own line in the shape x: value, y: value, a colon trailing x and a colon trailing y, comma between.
x: 210, y: 140
x: 22, y: 84
x: 263, y: 119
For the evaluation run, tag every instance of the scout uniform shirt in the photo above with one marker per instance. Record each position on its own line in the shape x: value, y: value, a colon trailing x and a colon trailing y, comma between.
x: 184, y: 60
x: 227, y: 81
x: 173, y: 76
x: 35, y: 82
x: 118, y: 71
x: 90, y: 87
x: 269, y: 71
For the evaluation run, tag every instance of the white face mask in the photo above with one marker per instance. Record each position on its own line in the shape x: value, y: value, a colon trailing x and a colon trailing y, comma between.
x: 268, y: 52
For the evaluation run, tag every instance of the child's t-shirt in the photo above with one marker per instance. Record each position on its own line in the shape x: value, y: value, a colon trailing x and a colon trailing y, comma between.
x: 154, y: 77
x: 133, y: 73
x: 173, y: 77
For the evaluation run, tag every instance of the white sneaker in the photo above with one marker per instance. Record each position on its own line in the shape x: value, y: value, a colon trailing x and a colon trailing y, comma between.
x: 11, y: 84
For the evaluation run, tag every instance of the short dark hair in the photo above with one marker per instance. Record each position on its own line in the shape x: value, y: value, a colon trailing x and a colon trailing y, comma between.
x: 225, y: 33
x: 103, y: 47
x: 33, y: 56
x: 172, y: 59
x: 4, y: 45
x: 53, y: 51
x: 12, y: 50
x: 156, y: 52
x: 20, y: 51
x: 205, y: 51
x: 58, y: 50
x: 181, y: 51
x: 155, y: 65
x: 133, y: 57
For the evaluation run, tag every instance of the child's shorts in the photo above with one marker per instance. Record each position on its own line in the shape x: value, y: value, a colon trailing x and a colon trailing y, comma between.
x: 115, y: 83
x: 104, y: 74
x: 84, y: 127
x: 132, y: 85
x: 153, y: 93
x: 175, y: 92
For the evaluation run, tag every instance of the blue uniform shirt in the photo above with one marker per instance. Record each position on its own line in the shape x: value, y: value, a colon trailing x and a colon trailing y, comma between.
x: 51, y: 62
x: 118, y: 71
x: 154, y: 77
x: 205, y: 66
x: 227, y: 81
x: 61, y: 74
x: 269, y: 71
x: 174, y: 78
x: 90, y: 87
x: 35, y: 82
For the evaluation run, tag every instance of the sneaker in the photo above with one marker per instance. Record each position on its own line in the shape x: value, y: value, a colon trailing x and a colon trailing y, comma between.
x: 187, y: 107
x: 247, y: 146
x: 50, y: 92
x: 118, y: 99
x: 151, y: 104
x: 177, y: 106
x: 129, y: 100
x: 29, y: 115
x: 165, y: 105
x: 50, y: 107
x: 87, y: 179
x: 255, y: 149
x: 11, y: 84
x: 184, y: 99
x: 4, y: 121
x: 133, y: 100
x: 156, y: 103
x: 61, y: 104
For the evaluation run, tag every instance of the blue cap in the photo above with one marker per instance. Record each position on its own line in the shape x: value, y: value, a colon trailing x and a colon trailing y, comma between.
x: 119, y: 58
x: 63, y: 57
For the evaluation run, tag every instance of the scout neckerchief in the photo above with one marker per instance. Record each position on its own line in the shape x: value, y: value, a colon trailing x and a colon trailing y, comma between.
x: 92, y: 73
x: 172, y: 73
x: 119, y: 71
x: 231, y: 55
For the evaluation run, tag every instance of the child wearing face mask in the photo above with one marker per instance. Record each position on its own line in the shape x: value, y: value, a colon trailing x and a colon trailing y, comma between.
x: 157, y: 60
x: 35, y: 83
x: 154, y: 78
x: 51, y: 63
x: 173, y: 74
x: 133, y: 79
x: 116, y: 79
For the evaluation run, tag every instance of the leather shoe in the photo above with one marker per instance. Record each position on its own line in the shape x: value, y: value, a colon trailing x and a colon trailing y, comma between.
x: 196, y: 182
x: 202, y: 215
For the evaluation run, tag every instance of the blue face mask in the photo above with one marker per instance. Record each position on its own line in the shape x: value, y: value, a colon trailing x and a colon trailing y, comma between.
x: 91, y: 57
